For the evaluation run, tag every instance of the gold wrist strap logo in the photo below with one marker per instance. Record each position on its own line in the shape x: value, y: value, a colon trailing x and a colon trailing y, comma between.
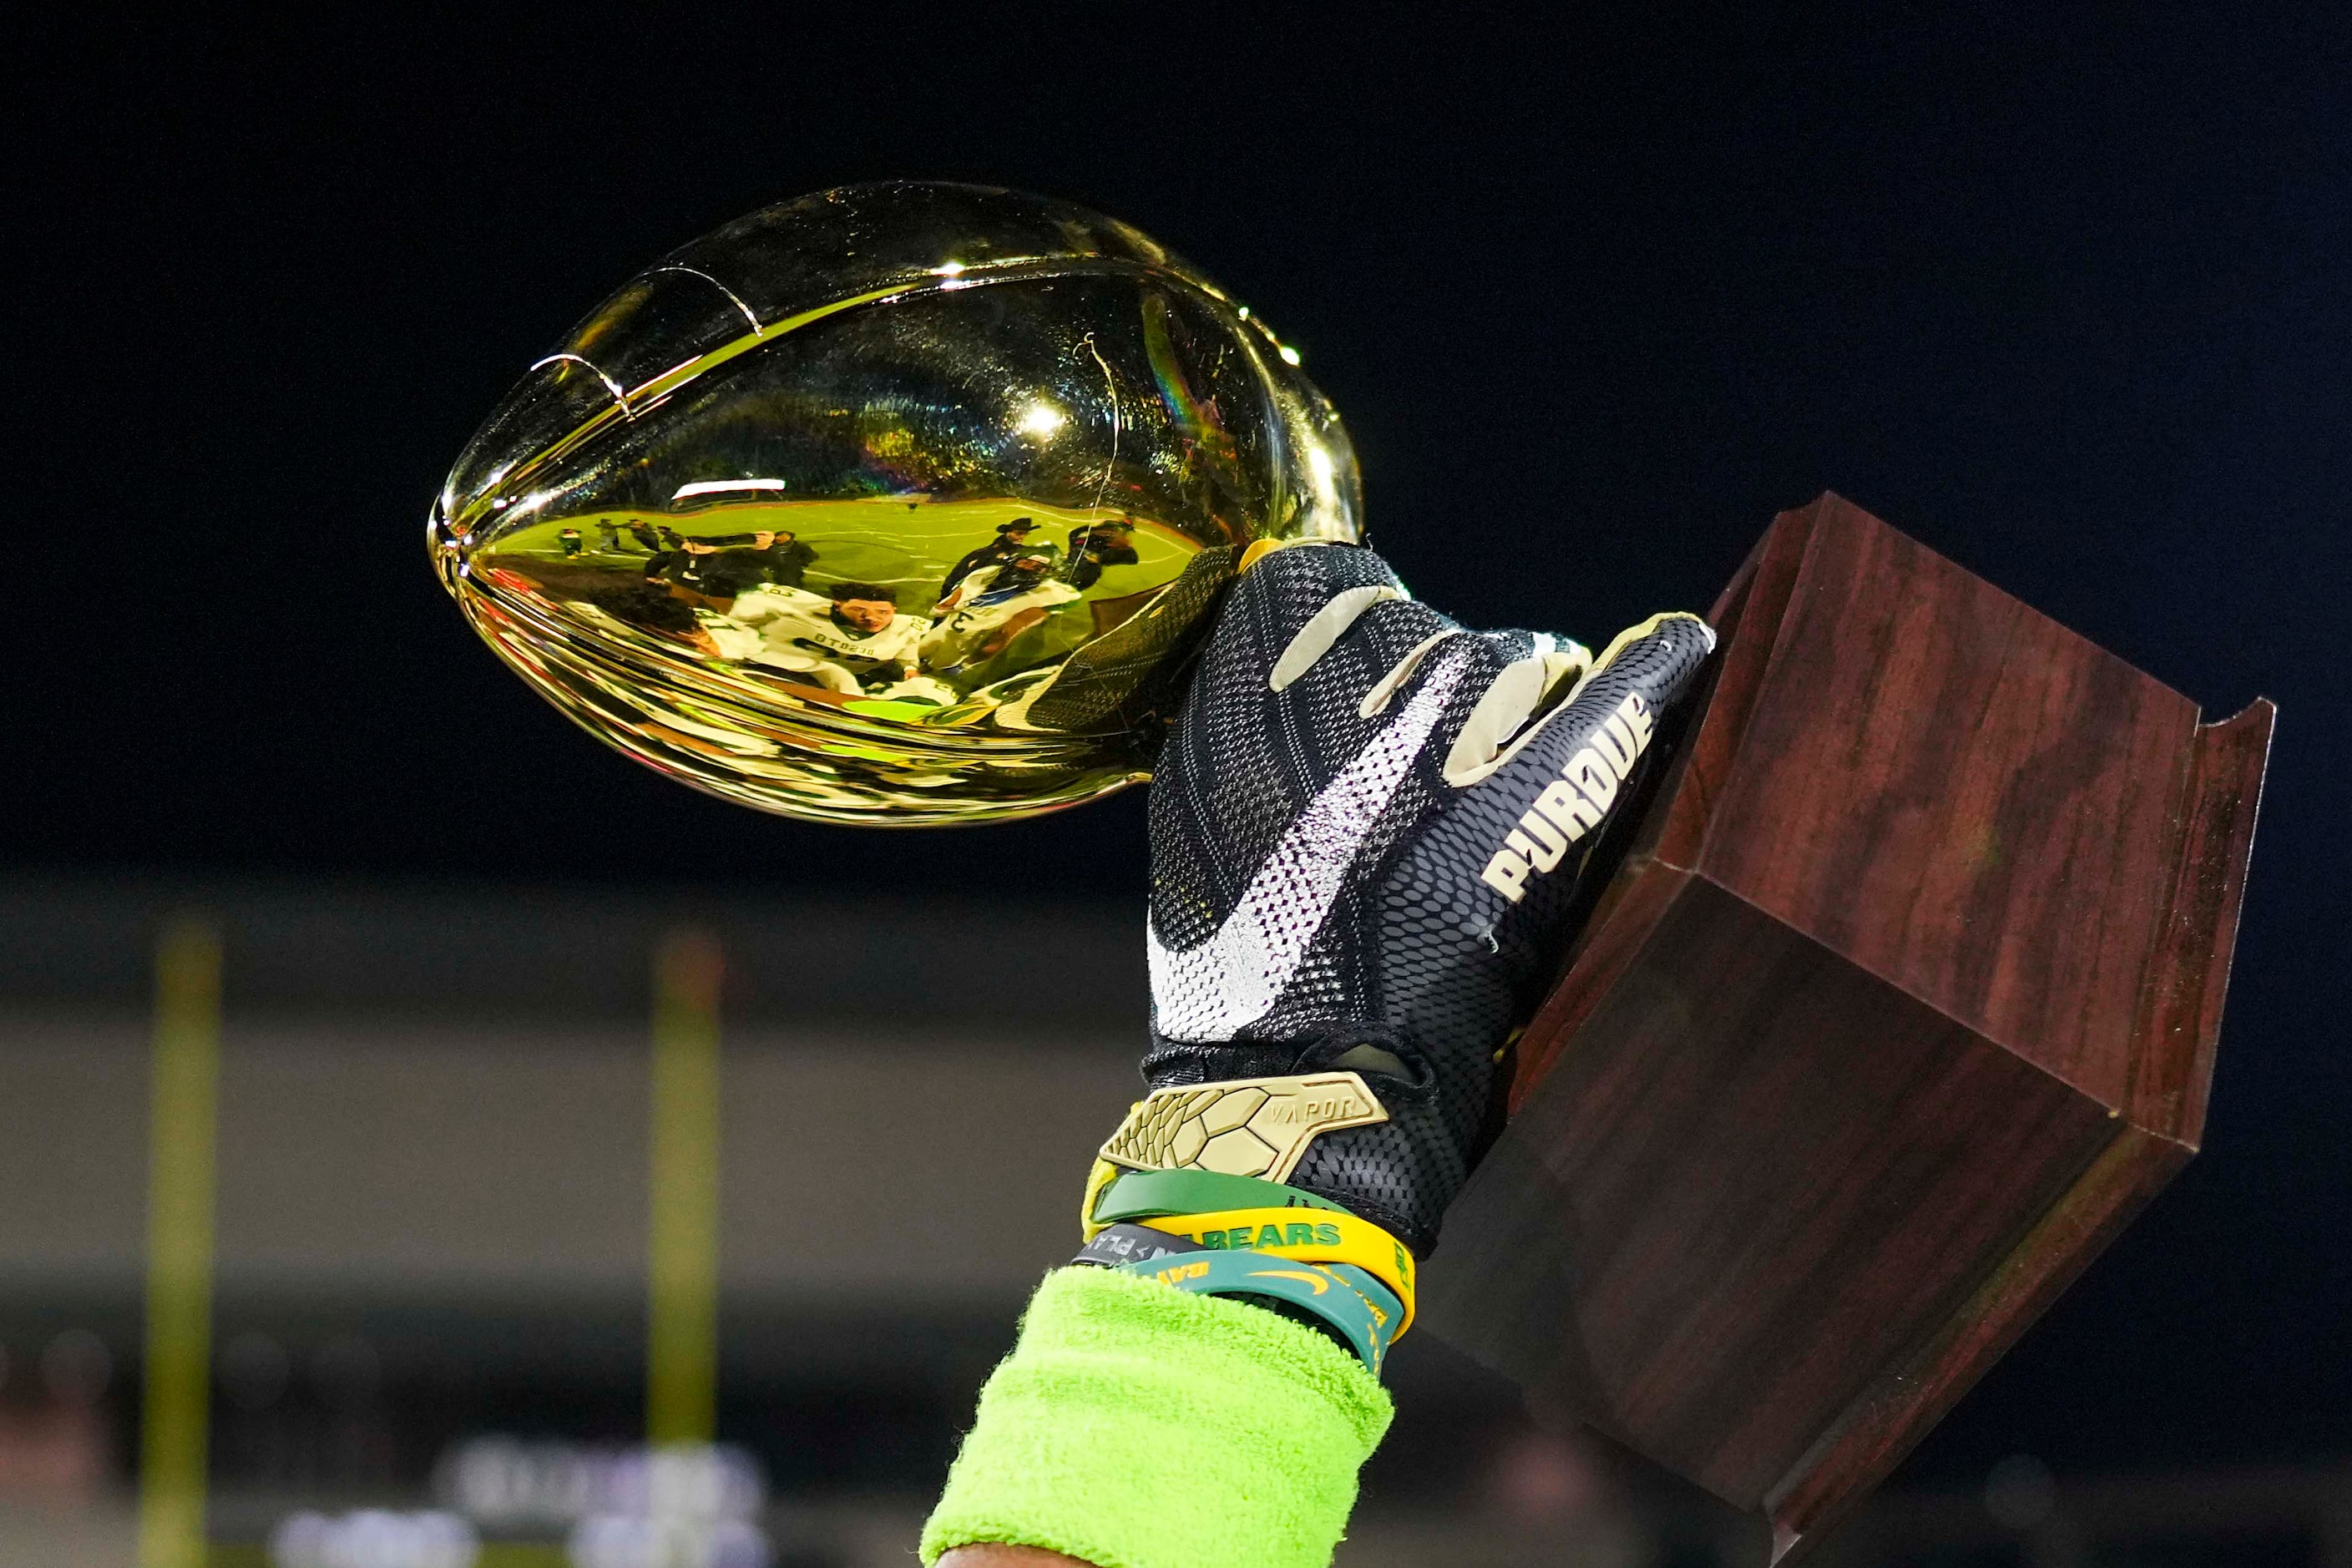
x: 1243, y: 1127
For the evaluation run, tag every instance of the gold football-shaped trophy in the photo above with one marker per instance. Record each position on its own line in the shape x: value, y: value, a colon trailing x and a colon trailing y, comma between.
x: 897, y: 504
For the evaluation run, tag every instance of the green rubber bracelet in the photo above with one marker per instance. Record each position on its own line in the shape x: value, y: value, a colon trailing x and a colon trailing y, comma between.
x: 1322, y: 1288
x: 1147, y: 1195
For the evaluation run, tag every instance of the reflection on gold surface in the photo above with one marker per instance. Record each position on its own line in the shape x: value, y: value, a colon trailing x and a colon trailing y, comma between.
x: 898, y: 504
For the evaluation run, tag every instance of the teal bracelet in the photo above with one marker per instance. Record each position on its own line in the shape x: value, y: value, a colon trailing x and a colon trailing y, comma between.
x: 1148, y: 1194
x: 1387, y: 1310
x: 1365, y: 1313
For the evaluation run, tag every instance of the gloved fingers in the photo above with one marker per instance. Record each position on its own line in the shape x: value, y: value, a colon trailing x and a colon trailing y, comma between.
x: 1562, y: 774
x: 1542, y: 667
x: 1642, y: 669
x: 1291, y: 605
x: 1514, y: 673
x: 1384, y: 689
x: 1325, y: 626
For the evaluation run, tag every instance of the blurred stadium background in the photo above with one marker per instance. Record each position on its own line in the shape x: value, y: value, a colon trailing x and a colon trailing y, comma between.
x: 443, y: 1204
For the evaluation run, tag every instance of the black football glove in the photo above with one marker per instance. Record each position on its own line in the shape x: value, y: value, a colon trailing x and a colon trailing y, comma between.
x: 1367, y: 831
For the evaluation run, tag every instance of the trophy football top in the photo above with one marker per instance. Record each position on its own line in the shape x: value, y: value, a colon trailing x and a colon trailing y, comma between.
x: 900, y: 503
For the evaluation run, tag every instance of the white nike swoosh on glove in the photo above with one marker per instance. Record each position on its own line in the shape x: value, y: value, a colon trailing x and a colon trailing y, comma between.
x: 1230, y: 981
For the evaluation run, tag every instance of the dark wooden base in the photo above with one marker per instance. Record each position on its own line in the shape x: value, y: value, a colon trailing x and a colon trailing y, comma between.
x: 1902, y: 1002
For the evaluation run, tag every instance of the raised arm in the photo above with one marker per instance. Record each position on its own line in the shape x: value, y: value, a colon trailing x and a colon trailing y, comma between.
x: 1368, y: 830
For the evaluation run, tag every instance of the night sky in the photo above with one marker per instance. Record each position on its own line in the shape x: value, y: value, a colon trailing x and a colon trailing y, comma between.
x: 2069, y: 300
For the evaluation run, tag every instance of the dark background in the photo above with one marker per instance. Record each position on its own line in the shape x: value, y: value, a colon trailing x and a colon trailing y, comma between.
x: 2066, y: 297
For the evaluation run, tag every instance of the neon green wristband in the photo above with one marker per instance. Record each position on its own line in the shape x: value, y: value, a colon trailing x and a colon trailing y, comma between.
x: 1147, y: 1427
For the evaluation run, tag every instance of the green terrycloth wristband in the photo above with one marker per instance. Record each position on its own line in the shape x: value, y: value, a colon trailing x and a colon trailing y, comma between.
x: 1138, y: 1425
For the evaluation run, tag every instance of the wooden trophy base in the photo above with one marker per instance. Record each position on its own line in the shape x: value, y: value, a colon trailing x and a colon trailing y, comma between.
x: 1901, y: 1002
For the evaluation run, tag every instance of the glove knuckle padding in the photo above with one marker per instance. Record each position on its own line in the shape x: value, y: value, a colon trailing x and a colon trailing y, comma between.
x: 1317, y: 884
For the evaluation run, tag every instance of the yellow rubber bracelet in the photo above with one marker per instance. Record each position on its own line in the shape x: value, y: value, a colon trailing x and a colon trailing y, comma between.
x: 1307, y: 1235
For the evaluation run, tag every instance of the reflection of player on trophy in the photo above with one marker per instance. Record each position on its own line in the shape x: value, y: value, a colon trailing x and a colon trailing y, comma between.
x: 992, y: 606
x: 1096, y: 545
x: 844, y: 640
x: 1012, y: 541
x: 714, y: 571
